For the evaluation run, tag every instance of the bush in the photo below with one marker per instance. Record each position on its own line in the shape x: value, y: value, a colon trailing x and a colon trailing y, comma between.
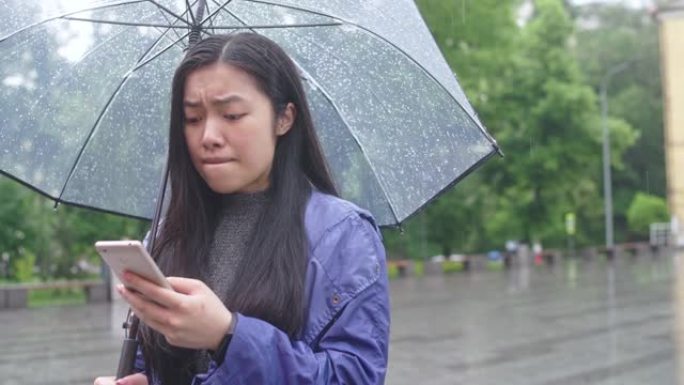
x: 392, y: 271
x: 419, y: 268
x: 644, y: 210
x: 495, y: 265
x: 53, y: 297
x: 22, y: 267
x: 452, y: 266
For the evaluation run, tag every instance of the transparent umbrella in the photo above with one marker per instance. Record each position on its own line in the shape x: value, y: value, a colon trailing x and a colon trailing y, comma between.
x: 84, y: 96
x: 84, y: 99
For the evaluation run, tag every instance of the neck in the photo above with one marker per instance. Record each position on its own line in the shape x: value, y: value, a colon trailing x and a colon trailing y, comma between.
x: 245, y: 199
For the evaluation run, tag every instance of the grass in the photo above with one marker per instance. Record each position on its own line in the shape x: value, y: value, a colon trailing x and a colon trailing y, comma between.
x: 452, y: 266
x: 392, y: 271
x: 419, y: 268
x: 495, y: 265
x: 53, y: 297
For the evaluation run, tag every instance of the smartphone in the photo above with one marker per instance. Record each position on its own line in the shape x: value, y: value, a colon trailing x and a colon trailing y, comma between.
x: 131, y: 256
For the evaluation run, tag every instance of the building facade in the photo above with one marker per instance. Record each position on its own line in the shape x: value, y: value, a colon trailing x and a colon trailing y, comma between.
x: 671, y: 18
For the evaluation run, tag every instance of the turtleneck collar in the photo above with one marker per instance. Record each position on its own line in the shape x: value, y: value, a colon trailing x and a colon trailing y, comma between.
x: 245, y: 200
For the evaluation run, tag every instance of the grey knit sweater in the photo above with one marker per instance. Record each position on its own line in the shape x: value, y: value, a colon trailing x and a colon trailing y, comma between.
x: 236, y: 223
x: 237, y: 219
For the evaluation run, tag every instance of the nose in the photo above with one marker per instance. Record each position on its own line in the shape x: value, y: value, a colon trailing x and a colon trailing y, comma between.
x: 212, y: 137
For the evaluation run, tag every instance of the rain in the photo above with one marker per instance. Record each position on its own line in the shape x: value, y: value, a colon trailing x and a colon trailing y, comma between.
x: 520, y: 159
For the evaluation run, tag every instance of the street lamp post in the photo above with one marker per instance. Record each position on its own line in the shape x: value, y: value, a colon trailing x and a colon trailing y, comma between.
x: 607, y: 178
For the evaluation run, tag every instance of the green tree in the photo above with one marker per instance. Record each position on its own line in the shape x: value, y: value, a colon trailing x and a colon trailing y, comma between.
x: 477, y: 39
x: 644, y: 210
x: 554, y: 133
x: 529, y: 90
x: 15, y: 230
x: 34, y: 234
x: 411, y: 240
x: 455, y: 220
x: 608, y: 36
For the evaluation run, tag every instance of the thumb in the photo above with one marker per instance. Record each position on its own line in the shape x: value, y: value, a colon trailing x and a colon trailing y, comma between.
x: 133, y: 379
x: 185, y: 285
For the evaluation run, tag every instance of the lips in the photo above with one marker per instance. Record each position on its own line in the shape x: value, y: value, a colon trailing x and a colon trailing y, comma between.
x: 216, y: 160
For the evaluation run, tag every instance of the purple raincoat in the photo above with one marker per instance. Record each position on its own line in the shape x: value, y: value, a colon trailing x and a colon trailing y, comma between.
x: 345, y: 337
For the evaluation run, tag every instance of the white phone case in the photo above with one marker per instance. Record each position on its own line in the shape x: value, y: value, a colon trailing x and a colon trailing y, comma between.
x: 132, y: 256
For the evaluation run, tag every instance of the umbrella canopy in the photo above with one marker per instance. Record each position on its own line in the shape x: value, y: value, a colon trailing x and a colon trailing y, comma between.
x: 85, y: 96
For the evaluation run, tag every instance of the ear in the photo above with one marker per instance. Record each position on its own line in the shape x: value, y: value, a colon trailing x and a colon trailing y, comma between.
x: 286, y: 119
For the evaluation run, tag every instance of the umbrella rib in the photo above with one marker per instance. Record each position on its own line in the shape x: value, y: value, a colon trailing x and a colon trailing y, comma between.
x: 123, y: 2
x: 190, y: 12
x: 266, y: 26
x: 381, y: 182
x: 219, y: 9
x: 327, y: 96
x: 446, y: 188
x: 354, y: 136
x: 305, y: 10
x: 131, y: 24
x: 58, y: 200
x: 166, y: 17
x: 180, y: 37
x: 351, y: 132
x: 278, y: 26
x: 380, y: 37
x: 375, y: 95
x: 123, y: 81
x: 142, y: 64
x: 85, y: 55
x: 211, y: 16
x: 211, y: 21
x: 170, y: 12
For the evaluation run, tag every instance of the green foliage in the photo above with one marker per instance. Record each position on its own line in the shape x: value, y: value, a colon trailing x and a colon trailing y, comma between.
x: 644, y: 210
x: 35, y: 235
x: 410, y: 242
x: 52, y: 297
x: 392, y: 271
x: 495, y: 265
x: 611, y: 35
x: 22, y: 268
x: 419, y: 268
x: 450, y: 218
x: 13, y: 211
x: 449, y: 267
x: 553, y: 135
x: 534, y: 86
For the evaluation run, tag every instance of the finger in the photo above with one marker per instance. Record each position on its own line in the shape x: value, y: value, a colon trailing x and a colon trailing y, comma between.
x: 185, y: 285
x: 104, y: 381
x: 133, y: 379
x: 148, y: 311
x: 151, y: 290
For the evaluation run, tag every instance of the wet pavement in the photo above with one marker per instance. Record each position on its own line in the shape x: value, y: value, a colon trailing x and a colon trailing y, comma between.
x: 578, y: 322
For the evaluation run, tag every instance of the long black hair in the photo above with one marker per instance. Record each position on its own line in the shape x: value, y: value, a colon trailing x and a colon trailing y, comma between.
x: 269, y: 281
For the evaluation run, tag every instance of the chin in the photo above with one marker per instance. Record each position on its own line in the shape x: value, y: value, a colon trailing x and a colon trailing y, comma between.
x: 223, y: 189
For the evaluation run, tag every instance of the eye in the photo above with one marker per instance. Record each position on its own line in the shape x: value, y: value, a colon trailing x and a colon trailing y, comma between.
x: 190, y: 120
x: 233, y: 117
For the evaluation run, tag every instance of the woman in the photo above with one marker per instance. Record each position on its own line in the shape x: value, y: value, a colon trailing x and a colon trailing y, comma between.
x: 283, y: 282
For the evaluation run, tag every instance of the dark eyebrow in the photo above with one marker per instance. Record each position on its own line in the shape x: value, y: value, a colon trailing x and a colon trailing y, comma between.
x: 191, y: 103
x: 228, y: 99
x: 218, y: 101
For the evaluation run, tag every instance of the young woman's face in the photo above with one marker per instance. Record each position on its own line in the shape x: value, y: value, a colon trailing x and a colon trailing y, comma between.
x: 230, y: 129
